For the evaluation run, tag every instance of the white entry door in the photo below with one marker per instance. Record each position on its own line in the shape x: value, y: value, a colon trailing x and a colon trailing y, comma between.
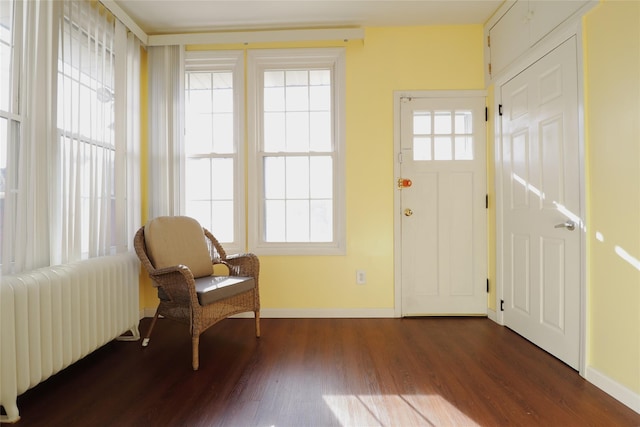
x: 443, y: 226
x: 541, y: 204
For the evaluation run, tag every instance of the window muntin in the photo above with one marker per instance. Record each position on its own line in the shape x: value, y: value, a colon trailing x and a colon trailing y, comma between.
x: 213, y: 184
x: 297, y: 149
x: 442, y: 135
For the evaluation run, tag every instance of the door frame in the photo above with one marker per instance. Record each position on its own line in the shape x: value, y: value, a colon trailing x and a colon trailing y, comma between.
x: 571, y: 29
x: 397, y: 217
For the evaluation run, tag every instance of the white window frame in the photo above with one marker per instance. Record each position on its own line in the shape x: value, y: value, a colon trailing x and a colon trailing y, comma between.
x: 14, y: 118
x: 209, y: 61
x: 257, y: 62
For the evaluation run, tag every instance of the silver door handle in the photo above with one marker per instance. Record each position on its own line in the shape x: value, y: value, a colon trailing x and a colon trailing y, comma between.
x: 569, y: 225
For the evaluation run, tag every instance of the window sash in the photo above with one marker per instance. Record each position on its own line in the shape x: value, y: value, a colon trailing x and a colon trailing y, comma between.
x: 222, y: 197
x: 259, y: 63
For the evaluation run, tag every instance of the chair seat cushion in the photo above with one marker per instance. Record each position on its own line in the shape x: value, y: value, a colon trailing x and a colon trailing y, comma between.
x: 215, y: 288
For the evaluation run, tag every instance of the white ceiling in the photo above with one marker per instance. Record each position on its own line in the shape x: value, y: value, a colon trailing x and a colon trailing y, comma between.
x: 188, y: 16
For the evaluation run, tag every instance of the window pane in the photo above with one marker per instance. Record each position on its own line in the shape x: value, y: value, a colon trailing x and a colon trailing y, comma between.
x: 199, y: 101
x: 223, y: 133
x: 222, y: 221
x: 421, y: 148
x: 464, y: 148
x: 3, y: 177
x: 273, y: 79
x: 297, y: 178
x: 297, y: 98
x: 274, y: 99
x: 297, y: 132
x: 274, y: 177
x: 442, y: 122
x: 275, y: 220
x: 321, y: 221
x: 422, y: 123
x: 321, y: 177
x: 297, y: 78
x: 274, y: 132
x: 198, y: 179
x: 223, y: 100
x: 297, y: 221
x: 200, y: 210
x: 5, y: 75
x: 464, y: 122
x: 320, y: 132
x: 199, y: 133
x: 320, y: 78
x: 222, y: 179
x: 442, y: 148
x: 320, y: 98
x: 197, y: 81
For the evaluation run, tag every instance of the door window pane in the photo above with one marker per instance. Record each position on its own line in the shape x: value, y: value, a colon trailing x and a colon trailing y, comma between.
x: 442, y: 122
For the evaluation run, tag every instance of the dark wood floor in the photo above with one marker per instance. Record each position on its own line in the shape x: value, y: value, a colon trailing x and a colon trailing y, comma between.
x: 324, y: 372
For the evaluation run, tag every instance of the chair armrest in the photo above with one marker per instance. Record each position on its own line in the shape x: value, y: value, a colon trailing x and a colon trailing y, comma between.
x: 177, y: 282
x: 243, y: 265
x: 168, y: 270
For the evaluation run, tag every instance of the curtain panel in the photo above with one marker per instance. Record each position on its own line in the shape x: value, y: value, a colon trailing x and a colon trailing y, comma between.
x: 72, y: 149
x: 166, y: 129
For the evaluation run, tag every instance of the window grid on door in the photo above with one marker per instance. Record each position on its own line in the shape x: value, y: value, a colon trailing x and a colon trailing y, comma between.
x: 443, y: 135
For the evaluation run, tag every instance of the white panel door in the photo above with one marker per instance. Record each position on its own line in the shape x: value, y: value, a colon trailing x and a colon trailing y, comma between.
x: 541, y: 204
x: 443, y: 211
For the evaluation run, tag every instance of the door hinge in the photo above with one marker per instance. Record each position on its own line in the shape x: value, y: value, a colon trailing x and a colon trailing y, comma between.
x: 489, y: 68
x: 486, y: 114
x: 487, y: 285
x: 486, y: 201
x: 488, y: 41
x: 501, y: 305
x: 399, y: 157
x: 500, y: 109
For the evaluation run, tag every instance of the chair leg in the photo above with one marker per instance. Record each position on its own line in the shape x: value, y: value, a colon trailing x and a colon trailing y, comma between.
x: 257, y: 315
x: 145, y: 341
x: 195, y: 342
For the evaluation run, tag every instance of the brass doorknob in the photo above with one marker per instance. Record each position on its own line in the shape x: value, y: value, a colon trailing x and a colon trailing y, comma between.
x: 408, y: 212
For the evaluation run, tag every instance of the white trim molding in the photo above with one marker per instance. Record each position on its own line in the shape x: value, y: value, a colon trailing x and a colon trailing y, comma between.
x: 613, y: 388
x: 258, y: 36
x: 126, y: 20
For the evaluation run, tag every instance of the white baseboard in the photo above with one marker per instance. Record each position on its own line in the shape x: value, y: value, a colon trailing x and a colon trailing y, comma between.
x: 492, y: 315
x: 613, y: 388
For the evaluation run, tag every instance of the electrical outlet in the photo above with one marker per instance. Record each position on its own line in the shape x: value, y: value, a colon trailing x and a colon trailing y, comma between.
x: 361, y: 277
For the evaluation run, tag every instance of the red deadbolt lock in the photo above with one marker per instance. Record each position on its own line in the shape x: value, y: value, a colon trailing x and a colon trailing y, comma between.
x: 404, y: 183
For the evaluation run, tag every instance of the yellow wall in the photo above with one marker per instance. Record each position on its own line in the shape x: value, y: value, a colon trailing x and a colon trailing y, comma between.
x: 404, y: 58
x: 148, y: 296
x: 450, y: 57
x: 612, y: 82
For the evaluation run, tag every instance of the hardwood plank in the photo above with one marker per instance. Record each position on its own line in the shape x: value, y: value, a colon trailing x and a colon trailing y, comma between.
x: 324, y: 372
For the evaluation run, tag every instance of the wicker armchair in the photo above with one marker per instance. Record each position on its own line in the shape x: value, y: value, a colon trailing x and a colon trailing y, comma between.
x: 179, y: 256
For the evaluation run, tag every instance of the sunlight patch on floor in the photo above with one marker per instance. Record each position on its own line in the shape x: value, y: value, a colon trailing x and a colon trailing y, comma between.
x: 389, y: 410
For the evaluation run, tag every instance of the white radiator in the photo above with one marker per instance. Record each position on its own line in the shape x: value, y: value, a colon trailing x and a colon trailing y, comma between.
x: 54, y: 316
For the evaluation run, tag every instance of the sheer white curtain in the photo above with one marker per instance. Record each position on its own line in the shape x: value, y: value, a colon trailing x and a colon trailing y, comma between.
x: 86, y: 122
x: 70, y: 146
x: 166, y: 129
x: 134, y: 199
x: 26, y: 235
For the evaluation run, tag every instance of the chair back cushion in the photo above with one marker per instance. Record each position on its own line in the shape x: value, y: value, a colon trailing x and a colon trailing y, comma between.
x: 175, y: 240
